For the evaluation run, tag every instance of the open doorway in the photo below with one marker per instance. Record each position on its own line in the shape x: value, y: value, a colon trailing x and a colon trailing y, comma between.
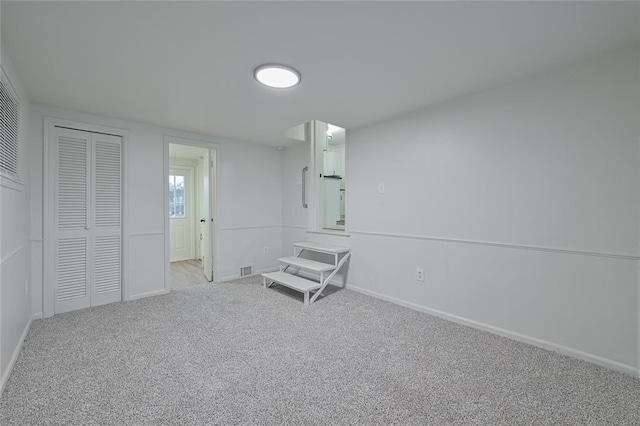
x: 191, y: 207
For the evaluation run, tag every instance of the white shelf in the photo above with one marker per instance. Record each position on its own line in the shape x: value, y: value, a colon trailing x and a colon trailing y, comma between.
x: 321, y: 248
x: 304, y: 285
x: 292, y: 281
x: 310, y: 265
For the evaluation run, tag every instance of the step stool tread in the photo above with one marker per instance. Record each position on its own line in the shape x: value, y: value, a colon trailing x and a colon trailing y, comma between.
x: 321, y: 248
x: 308, y: 264
x: 292, y: 281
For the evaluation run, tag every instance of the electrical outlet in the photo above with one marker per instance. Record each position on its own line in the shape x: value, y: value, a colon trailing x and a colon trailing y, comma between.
x: 381, y: 188
x: 265, y: 250
x: 420, y: 274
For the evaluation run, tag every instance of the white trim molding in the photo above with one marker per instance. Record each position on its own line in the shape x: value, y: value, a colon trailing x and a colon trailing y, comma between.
x: 256, y: 273
x: 295, y: 227
x: 564, y: 350
x: 14, y: 252
x: 16, y: 352
x: 240, y: 228
x: 320, y: 231
x: 327, y: 232
x: 622, y: 256
x: 148, y: 294
x: 145, y: 233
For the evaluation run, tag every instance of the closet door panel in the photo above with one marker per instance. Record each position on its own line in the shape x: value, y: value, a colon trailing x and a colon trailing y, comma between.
x: 72, y: 149
x: 73, y: 274
x: 107, y: 219
x: 107, y: 182
x: 107, y: 270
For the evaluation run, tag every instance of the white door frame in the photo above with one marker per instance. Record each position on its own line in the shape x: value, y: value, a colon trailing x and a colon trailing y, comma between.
x: 48, y: 226
x: 214, y: 191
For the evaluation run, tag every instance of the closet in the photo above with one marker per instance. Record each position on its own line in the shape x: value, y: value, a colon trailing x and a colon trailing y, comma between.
x: 87, y: 207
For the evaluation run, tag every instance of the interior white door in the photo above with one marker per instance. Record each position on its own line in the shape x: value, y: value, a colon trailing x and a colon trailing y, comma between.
x: 181, y: 227
x: 72, y: 237
x: 107, y: 214
x: 87, y: 217
x: 207, y: 190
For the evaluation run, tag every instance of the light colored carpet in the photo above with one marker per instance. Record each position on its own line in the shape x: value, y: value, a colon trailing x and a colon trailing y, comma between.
x: 236, y: 353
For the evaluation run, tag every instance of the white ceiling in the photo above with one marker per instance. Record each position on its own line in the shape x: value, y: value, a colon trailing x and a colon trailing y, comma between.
x: 189, y: 65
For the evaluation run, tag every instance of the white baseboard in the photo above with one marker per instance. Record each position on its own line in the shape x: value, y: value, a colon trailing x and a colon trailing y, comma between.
x: 148, y: 294
x: 16, y: 352
x: 554, y: 347
x: 237, y: 277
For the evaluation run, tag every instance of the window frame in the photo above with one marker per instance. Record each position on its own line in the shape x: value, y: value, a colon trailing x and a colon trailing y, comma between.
x: 7, y: 178
x: 184, y: 196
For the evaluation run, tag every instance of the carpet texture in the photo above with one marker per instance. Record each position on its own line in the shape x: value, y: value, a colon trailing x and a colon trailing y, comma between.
x: 236, y: 353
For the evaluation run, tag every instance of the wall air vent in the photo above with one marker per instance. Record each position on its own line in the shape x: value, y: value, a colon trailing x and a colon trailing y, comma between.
x: 246, y: 271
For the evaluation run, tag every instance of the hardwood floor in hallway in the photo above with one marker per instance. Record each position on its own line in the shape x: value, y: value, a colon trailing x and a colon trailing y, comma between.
x: 187, y: 273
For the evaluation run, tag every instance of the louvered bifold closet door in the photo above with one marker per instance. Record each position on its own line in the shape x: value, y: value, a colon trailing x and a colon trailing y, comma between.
x: 107, y: 212
x: 72, y: 150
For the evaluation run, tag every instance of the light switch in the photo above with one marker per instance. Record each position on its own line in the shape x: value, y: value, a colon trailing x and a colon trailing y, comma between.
x: 381, y: 188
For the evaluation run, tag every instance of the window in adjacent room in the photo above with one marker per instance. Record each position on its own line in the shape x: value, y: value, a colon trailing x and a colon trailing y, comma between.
x: 176, y: 197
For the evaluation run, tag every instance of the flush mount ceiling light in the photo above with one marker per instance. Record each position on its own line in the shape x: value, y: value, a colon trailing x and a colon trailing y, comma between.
x: 277, y: 76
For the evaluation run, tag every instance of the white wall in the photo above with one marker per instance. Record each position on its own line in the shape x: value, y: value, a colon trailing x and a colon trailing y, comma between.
x: 15, y: 244
x: 521, y: 203
x: 295, y: 158
x: 249, y: 187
